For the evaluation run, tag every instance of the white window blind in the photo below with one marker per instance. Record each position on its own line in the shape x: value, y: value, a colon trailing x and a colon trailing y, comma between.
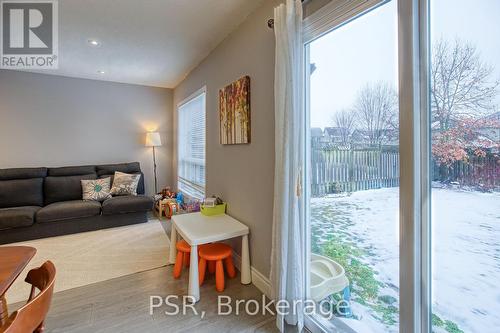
x: 191, y: 146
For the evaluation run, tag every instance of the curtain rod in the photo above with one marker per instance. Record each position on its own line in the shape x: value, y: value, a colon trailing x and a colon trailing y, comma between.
x: 270, y: 22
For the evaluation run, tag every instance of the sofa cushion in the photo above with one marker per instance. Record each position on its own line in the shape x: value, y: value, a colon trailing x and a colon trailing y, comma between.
x: 22, y: 173
x: 58, y: 189
x: 21, y: 192
x: 140, y: 186
x: 96, y: 189
x: 71, y: 171
x: 17, y: 217
x: 125, y: 184
x: 127, y: 204
x: 110, y: 169
x: 68, y: 210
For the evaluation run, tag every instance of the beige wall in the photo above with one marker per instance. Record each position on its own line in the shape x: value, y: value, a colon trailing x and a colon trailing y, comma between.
x: 48, y: 120
x: 242, y: 174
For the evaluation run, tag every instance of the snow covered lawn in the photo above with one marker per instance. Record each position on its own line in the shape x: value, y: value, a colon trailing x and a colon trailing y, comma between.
x: 466, y: 256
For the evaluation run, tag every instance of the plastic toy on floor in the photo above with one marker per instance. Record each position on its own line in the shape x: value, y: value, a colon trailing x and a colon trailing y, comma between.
x: 167, y: 193
x: 328, y: 280
x: 172, y: 208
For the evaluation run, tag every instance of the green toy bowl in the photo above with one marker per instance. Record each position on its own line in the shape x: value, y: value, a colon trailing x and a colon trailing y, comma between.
x: 211, y: 211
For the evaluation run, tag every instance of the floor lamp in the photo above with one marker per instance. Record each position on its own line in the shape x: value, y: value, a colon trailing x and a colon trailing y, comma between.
x: 153, y: 140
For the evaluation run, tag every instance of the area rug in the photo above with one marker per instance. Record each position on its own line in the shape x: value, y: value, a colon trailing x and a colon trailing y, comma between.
x: 96, y: 256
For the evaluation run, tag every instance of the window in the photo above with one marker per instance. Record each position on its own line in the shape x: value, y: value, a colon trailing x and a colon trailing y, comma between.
x: 191, y: 145
x: 465, y: 165
x: 353, y: 204
x: 448, y: 154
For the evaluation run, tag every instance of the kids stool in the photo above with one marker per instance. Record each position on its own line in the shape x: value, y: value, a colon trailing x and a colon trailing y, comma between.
x: 183, y: 256
x: 216, y: 252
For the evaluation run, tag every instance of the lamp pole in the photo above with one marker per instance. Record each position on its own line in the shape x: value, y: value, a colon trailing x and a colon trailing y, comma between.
x: 154, y: 166
x: 153, y: 140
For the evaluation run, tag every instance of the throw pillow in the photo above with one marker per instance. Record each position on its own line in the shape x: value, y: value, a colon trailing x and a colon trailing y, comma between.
x: 96, y: 189
x: 125, y: 183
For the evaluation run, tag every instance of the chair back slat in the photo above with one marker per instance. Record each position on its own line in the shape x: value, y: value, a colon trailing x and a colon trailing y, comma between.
x: 31, y: 316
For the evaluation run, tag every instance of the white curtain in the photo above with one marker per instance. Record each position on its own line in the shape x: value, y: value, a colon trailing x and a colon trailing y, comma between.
x: 288, y: 252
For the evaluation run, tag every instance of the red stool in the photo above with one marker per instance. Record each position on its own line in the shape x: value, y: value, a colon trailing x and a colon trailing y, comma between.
x: 183, y: 256
x: 216, y: 252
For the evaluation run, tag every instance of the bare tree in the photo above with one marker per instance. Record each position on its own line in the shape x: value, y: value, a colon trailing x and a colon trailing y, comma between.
x: 376, y: 110
x: 345, y: 121
x: 461, y: 85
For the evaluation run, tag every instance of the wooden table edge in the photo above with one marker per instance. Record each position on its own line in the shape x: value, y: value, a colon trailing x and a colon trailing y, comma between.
x: 30, y: 253
x: 26, y: 256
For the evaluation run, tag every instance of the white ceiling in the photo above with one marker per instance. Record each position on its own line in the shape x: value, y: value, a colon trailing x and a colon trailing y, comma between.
x: 146, y: 42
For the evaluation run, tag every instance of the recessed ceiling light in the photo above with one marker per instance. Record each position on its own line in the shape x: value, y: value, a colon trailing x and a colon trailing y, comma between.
x: 101, y: 72
x: 94, y: 42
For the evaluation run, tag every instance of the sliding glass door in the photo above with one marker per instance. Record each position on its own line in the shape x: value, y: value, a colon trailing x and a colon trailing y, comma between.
x: 353, y: 205
x: 403, y: 166
x: 465, y: 165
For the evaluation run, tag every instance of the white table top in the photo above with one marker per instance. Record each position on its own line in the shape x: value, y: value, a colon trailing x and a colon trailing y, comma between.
x: 197, y: 228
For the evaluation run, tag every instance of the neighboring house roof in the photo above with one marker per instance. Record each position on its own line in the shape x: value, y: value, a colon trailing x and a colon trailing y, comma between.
x: 389, y: 136
x: 385, y: 132
x: 334, y: 131
x: 484, y: 142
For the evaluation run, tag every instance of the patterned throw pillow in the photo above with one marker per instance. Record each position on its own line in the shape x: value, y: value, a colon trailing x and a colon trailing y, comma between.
x: 96, y: 189
x: 125, y: 184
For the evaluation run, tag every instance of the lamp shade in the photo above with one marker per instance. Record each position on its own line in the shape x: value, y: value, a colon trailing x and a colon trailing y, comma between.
x: 153, y: 139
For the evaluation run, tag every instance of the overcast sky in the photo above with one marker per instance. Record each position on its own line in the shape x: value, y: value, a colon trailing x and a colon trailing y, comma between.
x: 365, y: 50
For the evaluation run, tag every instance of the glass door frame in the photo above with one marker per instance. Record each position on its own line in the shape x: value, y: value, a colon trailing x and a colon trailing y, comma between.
x: 415, y: 194
x: 415, y: 199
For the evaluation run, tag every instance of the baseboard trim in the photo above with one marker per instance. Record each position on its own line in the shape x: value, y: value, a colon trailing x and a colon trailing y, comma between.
x: 258, y: 279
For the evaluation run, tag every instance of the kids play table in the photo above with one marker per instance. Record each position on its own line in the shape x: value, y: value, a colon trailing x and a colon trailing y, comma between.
x: 197, y: 229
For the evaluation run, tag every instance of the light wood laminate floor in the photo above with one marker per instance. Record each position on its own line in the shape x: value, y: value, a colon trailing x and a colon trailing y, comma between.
x: 122, y: 305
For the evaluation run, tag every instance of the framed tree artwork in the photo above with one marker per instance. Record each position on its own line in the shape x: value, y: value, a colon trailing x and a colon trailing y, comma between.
x: 234, y: 112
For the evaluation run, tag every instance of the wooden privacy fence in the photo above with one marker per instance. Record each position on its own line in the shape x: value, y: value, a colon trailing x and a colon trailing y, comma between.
x: 336, y: 170
x: 481, y: 172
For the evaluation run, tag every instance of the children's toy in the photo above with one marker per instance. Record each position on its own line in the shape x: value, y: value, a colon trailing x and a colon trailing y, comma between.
x: 173, y: 208
x: 180, y: 198
x: 167, y: 193
x: 210, y: 202
x: 167, y: 208
x: 215, y: 210
x: 161, y: 208
x: 213, y: 206
x: 328, y: 278
x: 192, y: 205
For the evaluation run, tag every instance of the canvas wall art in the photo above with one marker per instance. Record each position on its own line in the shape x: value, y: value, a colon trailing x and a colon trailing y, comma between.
x: 234, y: 112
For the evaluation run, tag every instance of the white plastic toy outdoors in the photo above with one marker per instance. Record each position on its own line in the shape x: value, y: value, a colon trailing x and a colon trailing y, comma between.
x: 327, y: 277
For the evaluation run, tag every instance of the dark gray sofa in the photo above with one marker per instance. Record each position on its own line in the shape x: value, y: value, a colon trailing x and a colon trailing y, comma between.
x: 44, y: 202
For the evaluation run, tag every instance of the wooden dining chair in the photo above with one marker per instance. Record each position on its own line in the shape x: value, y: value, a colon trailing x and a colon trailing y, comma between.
x: 31, y: 317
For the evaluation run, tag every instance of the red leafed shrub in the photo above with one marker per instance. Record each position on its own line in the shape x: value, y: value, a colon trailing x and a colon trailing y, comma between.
x: 465, y: 155
x: 462, y: 141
